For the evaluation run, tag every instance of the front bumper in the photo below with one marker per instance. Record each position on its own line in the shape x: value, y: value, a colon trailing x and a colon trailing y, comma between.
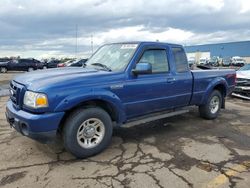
x: 41, y: 127
x: 242, y: 88
x: 242, y: 92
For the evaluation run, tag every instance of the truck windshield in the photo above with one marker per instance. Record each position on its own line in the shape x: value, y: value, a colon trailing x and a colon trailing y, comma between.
x: 112, y: 57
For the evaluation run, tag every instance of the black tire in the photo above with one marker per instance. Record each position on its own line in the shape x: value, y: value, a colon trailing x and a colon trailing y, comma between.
x: 206, y: 111
x: 30, y: 69
x: 3, y: 69
x: 71, y: 127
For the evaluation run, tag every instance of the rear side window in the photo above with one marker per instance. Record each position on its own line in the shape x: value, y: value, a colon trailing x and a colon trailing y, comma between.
x: 158, y: 60
x: 180, y: 58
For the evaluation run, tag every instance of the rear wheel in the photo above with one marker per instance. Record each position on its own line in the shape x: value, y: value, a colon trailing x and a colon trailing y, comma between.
x: 87, y: 132
x: 211, y: 109
x: 3, y: 69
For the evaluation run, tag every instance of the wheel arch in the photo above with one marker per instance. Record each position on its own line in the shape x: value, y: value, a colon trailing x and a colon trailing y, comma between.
x: 109, y: 107
x: 221, y: 88
x: 219, y: 84
x: 4, y: 66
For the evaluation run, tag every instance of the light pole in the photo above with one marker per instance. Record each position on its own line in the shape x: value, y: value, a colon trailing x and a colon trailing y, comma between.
x: 92, y: 48
x: 76, y: 40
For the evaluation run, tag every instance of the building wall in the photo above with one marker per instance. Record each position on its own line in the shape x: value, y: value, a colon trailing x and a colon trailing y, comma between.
x: 223, y: 49
x: 247, y: 59
x: 198, y: 55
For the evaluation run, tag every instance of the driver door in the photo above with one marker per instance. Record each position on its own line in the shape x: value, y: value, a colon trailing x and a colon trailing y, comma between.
x: 148, y: 93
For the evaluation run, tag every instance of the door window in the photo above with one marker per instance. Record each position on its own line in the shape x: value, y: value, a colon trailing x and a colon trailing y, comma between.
x: 14, y: 61
x: 158, y: 60
x: 21, y: 61
x: 180, y: 58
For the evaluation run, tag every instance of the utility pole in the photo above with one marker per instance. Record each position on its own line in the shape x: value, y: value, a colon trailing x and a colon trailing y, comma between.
x: 76, y: 40
x: 92, y: 47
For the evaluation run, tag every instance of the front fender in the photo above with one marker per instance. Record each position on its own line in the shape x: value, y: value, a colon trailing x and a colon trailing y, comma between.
x: 215, y: 82
x: 74, y: 99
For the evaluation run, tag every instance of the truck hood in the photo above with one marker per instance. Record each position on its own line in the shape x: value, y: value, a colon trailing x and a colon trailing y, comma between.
x: 56, y: 77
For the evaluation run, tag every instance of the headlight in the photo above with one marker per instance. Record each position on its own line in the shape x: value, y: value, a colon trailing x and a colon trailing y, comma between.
x: 35, y: 100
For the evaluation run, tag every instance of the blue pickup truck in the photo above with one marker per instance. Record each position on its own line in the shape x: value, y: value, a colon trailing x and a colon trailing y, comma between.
x: 121, y: 83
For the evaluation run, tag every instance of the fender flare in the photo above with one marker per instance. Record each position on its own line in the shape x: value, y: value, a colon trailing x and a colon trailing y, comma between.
x: 75, y: 99
x: 212, y: 85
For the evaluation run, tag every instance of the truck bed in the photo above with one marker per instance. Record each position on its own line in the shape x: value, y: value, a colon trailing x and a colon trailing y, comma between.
x: 202, y: 79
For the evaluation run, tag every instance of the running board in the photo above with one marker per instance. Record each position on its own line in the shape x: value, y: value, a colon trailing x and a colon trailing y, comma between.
x: 153, y: 117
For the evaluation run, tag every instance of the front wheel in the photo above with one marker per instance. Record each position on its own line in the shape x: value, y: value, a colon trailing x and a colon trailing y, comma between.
x: 211, y: 109
x: 87, y: 132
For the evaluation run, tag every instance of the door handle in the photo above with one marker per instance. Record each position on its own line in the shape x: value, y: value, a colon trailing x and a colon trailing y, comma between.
x: 170, y: 80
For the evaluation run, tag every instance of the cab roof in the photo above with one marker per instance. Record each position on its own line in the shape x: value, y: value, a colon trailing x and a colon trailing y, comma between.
x: 148, y: 43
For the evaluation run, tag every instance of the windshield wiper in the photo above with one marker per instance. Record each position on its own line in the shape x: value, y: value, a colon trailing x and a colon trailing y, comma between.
x: 103, y: 66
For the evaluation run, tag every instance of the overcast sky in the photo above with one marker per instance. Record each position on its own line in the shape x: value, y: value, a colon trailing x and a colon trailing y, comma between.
x: 47, y: 28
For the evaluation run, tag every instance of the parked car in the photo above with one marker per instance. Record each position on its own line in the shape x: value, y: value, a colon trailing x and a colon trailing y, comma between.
x: 77, y: 63
x: 64, y: 64
x: 226, y: 62
x: 122, y: 83
x: 203, y: 61
x: 53, y: 63
x: 61, y: 65
x: 238, y: 61
x: 242, y: 88
x: 3, y: 62
x: 73, y: 63
x: 214, y: 61
x: 191, y: 62
x: 21, y: 65
x: 245, y: 68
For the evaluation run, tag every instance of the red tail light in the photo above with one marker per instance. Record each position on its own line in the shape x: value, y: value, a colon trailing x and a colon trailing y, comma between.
x: 61, y: 65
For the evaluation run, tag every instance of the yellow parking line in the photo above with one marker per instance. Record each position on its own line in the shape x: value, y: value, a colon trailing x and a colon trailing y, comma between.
x: 221, y: 179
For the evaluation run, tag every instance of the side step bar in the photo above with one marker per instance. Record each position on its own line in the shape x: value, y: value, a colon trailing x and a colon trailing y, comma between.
x: 153, y: 117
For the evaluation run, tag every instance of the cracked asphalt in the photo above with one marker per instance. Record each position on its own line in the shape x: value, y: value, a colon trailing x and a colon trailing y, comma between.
x: 182, y: 151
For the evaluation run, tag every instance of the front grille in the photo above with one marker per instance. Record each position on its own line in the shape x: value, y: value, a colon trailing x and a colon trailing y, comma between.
x: 15, y: 93
x: 242, y: 82
x: 242, y: 92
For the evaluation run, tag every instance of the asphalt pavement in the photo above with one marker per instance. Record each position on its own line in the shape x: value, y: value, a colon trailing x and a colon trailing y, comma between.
x: 182, y: 151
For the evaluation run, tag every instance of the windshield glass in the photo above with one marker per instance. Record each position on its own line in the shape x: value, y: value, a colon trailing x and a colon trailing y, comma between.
x: 72, y: 61
x: 113, y: 56
x: 51, y: 60
x: 244, y: 68
x: 69, y: 62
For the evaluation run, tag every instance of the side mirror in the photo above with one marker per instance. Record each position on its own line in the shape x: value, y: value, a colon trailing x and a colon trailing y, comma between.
x: 142, y: 68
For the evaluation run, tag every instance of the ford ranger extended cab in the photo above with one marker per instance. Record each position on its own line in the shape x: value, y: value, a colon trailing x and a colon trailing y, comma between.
x: 121, y: 83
